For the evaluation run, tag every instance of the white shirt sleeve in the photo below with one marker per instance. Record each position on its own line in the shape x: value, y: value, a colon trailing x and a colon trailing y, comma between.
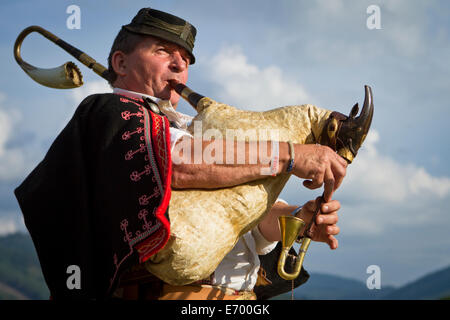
x: 281, y: 200
x: 263, y: 246
x: 175, y: 135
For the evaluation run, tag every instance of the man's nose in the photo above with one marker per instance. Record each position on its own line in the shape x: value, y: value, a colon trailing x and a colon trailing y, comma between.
x: 178, y: 64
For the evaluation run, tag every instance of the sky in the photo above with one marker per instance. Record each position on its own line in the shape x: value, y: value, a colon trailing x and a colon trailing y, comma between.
x: 260, y: 55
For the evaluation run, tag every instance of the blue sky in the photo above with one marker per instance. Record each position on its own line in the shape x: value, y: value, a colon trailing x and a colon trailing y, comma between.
x: 260, y: 55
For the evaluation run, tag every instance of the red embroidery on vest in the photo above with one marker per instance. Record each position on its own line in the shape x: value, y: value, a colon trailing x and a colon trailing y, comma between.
x: 130, y: 101
x: 129, y: 155
x: 144, y: 199
x: 158, y: 136
x: 126, y: 115
x: 147, y: 247
x: 123, y: 227
x: 136, y: 176
x: 127, y: 134
x: 143, y: 216
x: 150, y: 237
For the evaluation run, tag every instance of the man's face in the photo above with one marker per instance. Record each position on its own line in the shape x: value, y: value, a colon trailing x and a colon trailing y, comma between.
x: 150, y: 67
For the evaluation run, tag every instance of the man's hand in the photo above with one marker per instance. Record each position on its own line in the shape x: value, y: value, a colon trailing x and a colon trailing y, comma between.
x: 325, y: 228
x: 321, y: 165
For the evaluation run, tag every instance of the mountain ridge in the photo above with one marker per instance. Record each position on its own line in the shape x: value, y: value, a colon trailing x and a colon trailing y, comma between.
x: 21, y: 278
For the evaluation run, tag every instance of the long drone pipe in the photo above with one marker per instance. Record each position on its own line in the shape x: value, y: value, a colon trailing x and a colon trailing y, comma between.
x: 68, y: 75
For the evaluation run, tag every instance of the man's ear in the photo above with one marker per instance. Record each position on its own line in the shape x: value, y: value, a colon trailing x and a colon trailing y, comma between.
x: 118, y: 63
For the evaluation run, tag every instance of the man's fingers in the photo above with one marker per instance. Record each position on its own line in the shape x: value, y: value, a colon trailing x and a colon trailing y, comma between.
x: 312, y: 184
x: 333, y: 230
x: 328, y: 211
x: 329, y: 207
x: 339, y: 172
x: 308, y: 184
x: 329, y: 185
x: 327, y: 219
x: 332, y: 242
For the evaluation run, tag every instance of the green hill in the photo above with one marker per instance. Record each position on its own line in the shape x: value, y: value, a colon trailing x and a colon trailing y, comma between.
x: 331, y: 287
x: 20, y: 272
x: 433, y: 286
x: 21, y: 278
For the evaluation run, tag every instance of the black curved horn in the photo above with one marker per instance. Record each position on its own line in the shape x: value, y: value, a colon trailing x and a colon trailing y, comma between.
x: 365, y: 118
x: 352, y: 129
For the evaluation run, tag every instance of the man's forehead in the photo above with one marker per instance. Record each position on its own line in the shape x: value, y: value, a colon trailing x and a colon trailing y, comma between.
x: 167, y: 43
x: 162, y: 42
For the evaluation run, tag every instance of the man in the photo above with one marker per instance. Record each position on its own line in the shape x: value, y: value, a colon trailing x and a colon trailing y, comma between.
x: 87, y: 203
x: 158, y: 62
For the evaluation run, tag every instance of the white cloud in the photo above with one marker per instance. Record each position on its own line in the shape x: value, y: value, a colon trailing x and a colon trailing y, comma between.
x: 382, y: 192
x: 249, y: 87
x: 320, y: 8
x: 5, y: 130
x: 12, y: 160
x: 387, y: 180
x: 99, y: 86
x: 7, y: 226
x: 405, y: 24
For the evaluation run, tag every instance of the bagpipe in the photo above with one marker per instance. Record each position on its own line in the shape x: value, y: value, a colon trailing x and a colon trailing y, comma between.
x: 207, y: 223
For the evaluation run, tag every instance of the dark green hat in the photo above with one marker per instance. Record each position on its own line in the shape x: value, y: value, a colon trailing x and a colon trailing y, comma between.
x: 165, y: 26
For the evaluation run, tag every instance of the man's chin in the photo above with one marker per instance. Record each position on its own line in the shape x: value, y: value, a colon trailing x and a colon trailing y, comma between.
x: 171, y: 95
x: 174, y: 101
x: 164, y: 95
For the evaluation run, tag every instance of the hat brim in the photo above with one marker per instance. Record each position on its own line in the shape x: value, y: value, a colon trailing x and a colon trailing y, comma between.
x: 165, y: 35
